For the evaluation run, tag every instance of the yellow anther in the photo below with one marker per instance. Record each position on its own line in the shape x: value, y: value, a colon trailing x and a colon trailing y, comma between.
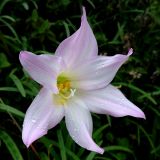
x: 65, y: 90
x: 67, y: 85
x: 61, y: 86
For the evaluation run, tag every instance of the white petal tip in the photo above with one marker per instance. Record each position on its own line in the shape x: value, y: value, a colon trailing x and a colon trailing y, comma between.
x: 84, y: 17
x: 101, y: 151
x: 23, y: 55
x: 84, y: 10
x: 27, y: 145
x: 130, y: 52
x: 97, y: 149
x: 139, y: 114
x: 142, y: 116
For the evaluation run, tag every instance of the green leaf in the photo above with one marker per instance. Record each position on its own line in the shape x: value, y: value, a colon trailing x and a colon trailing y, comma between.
x: 98, y: 131
x: 11, y: 146
x: 44, y: 156
x: 145, y: 134
x: 8, y: 89
x: 6, y: 108
x: 18, y: 83
x: 3, y: 61
x: 66, y: 26
x: 45, y: 25
x: 48, y: 143
x: 34, y: 15
x: 119, y: 148
x: 2, y: 4
x: 61, y: 145
x: 146, y: 95
x: 11, y: 29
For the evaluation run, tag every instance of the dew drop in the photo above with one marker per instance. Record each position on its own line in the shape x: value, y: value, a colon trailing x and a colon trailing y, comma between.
x: 76, y: 130
x: 33, y: 121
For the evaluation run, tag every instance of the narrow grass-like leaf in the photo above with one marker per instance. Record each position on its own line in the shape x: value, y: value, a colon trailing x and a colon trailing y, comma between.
x: 8, y: 17
x: 91, y: 3
x: 157, y: 149
x: 43, y: 156
x: 109, y: 120
x: 91, y: 156
x: 119, y: 148
x: 120, y: 32
x: 2, y: 4
x: 71, y: 25
x: 66, y: 26
x: 9, y: 89
x: 72, y: 154
x: 144, y: 133
x: 11, y: 29
x: 3, y: 61
x: 98, y: 131
x: 61, y: 144
x: 138, y: 90
x: 48, y: 142
x: 44, y: 26
x: 116, y: 157
x: 18, y: 83
x: 11, y: 146
x: 6, y: 108
x: 155, y: 110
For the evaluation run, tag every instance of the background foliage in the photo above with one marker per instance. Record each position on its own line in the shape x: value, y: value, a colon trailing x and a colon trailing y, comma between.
x: 39, y: 26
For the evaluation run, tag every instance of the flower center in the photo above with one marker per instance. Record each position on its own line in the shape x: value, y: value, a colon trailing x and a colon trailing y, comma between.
x: 65, y: 90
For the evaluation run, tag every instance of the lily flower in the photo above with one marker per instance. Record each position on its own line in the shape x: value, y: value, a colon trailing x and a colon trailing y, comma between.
x: 76, y: 81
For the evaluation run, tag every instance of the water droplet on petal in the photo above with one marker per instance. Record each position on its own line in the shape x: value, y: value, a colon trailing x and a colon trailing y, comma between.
x: 33, y: 121
x: 42, y: 128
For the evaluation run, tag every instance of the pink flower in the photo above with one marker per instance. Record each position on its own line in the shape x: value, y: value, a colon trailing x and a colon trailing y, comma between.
x: 76, y: 81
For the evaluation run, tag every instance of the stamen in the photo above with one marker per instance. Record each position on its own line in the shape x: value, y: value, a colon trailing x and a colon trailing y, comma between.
x: 72, y: 92
x: 65, y: 89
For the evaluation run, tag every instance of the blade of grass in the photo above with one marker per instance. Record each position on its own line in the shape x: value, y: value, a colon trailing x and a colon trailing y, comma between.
x: 66, y: 26
x: 6, y: 108
x: 118, y: 148
x: 61, y: 144
x: 49, y: 143
x: 144, y: 133
x: 8, y: 89
x: 2, y: 4
x: 18, y: 84
x: 11, y: 146
x: 98, y: 131
x: 11, y: 29
x: 147, y: 95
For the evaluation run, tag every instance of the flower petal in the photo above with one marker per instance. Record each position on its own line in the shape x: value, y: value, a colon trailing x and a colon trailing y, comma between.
x: 79, y: 125
x: 110, y: 100
x: 41, y: 116
x: 79, y: 46
x: 98, y: 72
x: 42, y: 68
